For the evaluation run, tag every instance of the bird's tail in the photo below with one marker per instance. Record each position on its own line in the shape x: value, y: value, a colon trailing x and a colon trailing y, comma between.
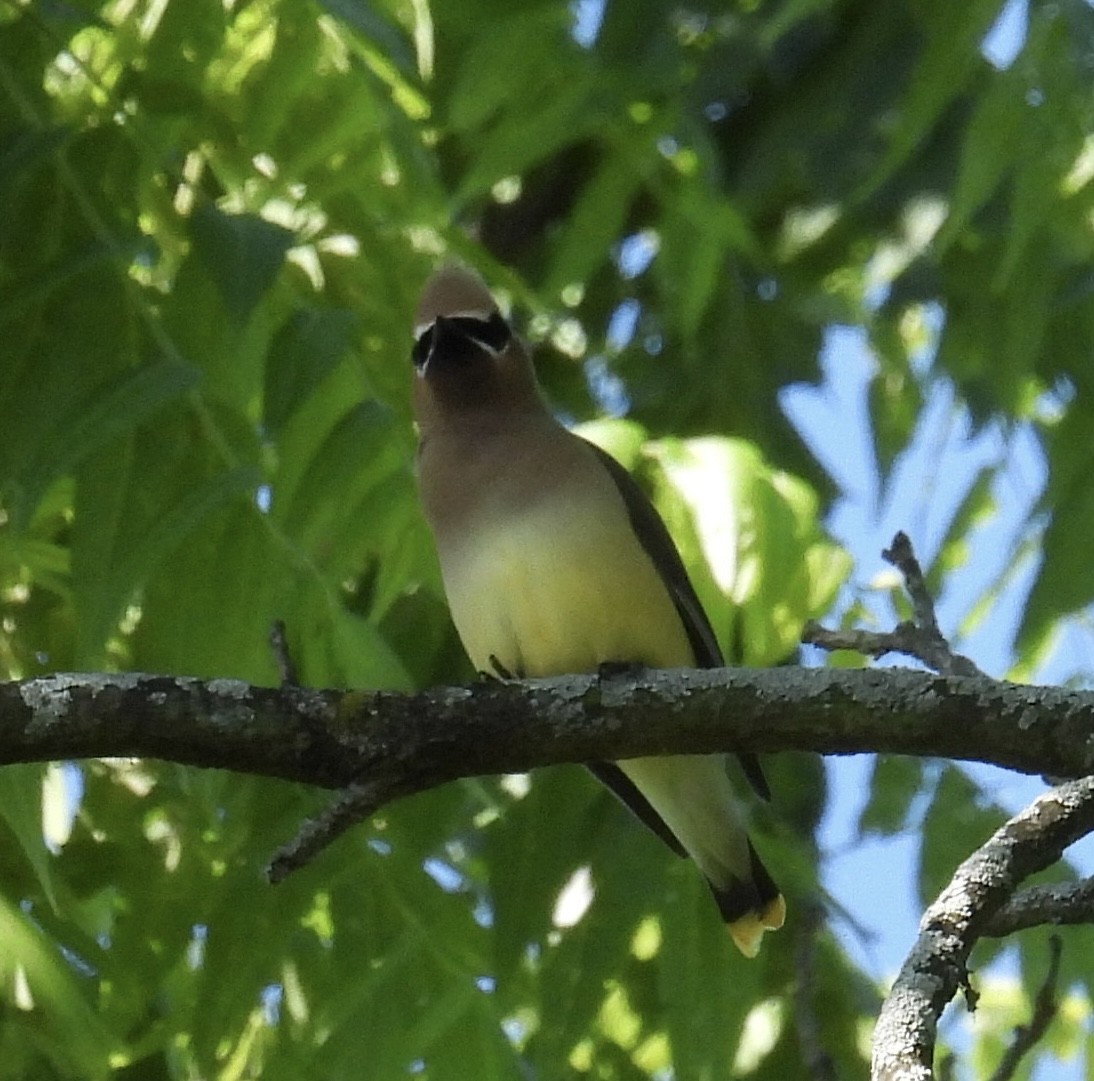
x: 750, y: 907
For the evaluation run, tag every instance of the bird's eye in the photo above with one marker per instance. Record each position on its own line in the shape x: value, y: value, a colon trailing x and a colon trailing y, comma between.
x: 422, y: 347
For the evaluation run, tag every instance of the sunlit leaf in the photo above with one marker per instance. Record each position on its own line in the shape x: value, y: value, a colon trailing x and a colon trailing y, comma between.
x: 51, y: 990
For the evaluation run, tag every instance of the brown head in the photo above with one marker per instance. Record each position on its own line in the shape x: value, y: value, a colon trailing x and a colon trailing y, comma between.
x: 466, y: 357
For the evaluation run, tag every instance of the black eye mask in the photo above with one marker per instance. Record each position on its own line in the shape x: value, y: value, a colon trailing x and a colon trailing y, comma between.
x: 459, y: 337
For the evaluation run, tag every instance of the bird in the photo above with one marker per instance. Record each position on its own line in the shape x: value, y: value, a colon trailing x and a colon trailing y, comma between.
x: 555, y: 562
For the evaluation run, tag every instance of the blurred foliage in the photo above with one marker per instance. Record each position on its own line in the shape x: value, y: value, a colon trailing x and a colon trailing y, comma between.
x: 214, y: 219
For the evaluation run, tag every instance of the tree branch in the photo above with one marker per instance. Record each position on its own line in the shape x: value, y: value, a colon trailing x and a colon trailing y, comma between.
x: 936, y: 967
x: 398, y: 743
x: 1060, y: 903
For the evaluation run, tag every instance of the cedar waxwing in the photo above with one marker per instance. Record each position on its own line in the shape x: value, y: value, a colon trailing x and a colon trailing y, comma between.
x: 555, y: 562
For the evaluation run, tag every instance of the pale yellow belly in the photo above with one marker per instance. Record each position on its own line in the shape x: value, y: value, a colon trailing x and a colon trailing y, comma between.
x: 559, y: 591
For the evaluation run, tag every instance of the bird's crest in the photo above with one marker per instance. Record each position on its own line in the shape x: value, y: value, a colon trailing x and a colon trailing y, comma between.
x: 453, y: 292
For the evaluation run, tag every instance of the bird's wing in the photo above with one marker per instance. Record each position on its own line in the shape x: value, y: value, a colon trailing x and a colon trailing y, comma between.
x: 656, y: 541
x: 628, y: 793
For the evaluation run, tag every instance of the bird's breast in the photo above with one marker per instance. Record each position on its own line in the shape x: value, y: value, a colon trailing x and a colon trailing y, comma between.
x: 559, y: 584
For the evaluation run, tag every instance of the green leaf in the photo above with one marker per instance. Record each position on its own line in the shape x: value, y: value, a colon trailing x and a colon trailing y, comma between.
x: 41, y: 283
x: 988, y: 151
x: 370, y: 23
x: 629, y: 874
x: 311, y: 427
x: 519, y: 142
x: 532, y: 849
x: 622, y: 439
x: 758, y: 533
x: 356, y: 455
x: 396, y: 547
x: 258, y: 577
x: 242, y: 253
x: 597, y: 219
x: 127, y: 522
x: 117, y: 408
x: 698, y: 239
x: 21, y: 809
x: 178, y: 522
x: 1062, y: 584
x: 894, y: 785
x: 303, y: 352
x: 71, y: 1032
x: 484, y: 85
x: 360, y: 656
x: 1055, y: 97
x: 707, y: 992
x: 895, y: 397
x: 949, y: 60
x: 183, y: 41
x: 1025, y: 552
x: 960, y: 818
x: 976, y: 509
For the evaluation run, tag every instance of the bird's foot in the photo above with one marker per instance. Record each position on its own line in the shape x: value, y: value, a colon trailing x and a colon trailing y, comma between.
x: 499, y: 673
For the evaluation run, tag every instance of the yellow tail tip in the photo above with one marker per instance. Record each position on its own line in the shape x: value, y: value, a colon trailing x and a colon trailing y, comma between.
x: 748, y: 932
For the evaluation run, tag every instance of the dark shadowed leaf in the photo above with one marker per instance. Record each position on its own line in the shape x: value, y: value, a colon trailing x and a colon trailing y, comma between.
x: 243, y: 254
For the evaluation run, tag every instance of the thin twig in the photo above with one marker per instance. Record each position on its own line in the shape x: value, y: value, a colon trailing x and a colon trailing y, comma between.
x: 286, y: 668
x: 901, y: 555
x: 356, y: 802
x: 919, y: 638
x: 1045, y: 1008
